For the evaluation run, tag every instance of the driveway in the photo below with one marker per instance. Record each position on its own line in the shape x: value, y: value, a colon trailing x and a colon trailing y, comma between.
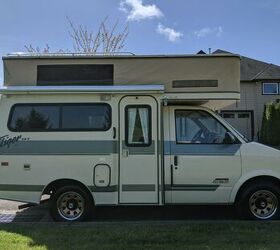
x: 9, y: 213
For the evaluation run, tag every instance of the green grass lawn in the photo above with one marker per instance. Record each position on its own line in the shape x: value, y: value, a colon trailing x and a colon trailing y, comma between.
x: 232, y: 235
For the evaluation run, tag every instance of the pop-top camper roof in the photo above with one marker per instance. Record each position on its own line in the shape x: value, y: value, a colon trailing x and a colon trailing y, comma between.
x: 209, y: 76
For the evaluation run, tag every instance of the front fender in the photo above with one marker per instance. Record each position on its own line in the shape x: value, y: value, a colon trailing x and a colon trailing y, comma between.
x: 248, y: 176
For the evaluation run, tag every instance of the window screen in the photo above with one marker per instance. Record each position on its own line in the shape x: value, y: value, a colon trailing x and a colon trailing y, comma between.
x: 138, y: 126
x: 195, y: 126
x: 71, y: 74
x: 60, y: 117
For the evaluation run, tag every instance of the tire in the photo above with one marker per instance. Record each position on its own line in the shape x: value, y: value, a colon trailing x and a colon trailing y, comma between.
x: 260, y: 201
x: 71, y: 204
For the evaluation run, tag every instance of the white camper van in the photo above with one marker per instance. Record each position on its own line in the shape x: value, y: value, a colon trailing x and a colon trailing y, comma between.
x: 129, y: 130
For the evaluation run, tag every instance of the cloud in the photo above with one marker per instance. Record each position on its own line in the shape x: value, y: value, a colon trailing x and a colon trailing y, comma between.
x: 217, y: 31
x: 269, y: 4
x: 137, y: 11
x: 171, y: 34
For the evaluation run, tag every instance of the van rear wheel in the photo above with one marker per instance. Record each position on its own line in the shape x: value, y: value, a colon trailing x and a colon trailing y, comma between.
x: 70, y: 203
x: 260, y: 202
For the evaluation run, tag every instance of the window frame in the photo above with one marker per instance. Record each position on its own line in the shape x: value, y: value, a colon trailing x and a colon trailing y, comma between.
x: 274, y: 83
x: 192, y: 143
x: 149, y: 125
x: 59, y: 105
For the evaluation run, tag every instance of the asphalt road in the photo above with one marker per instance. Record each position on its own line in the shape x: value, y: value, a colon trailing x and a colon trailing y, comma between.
x: 9, y: 213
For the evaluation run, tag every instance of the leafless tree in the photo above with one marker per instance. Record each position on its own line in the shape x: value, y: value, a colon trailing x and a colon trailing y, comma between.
x: 106, y: 39
x: 32, y: 49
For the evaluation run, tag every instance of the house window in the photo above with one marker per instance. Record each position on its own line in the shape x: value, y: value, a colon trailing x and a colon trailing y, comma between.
x: 243, y: 115
x: 228, y: 115
x: 270, y: 89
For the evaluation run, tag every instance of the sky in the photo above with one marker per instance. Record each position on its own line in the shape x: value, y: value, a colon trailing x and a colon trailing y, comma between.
x: 247, y: 27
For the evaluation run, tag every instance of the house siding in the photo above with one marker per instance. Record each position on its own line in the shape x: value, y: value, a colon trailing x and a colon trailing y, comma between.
x: 251, y: 98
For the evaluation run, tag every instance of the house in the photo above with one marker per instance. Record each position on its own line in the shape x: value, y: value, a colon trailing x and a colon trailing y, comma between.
x: 259, y: 84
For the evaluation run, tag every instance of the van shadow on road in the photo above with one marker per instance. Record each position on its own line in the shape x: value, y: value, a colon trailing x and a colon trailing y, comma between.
x: 131, y: 213
x: 166, y: 213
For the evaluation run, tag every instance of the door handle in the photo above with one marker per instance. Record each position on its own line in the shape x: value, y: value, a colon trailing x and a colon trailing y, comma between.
x: 114, y: 133
x: 171, y: 175
x: 175, y: 160
x: 125, y: 153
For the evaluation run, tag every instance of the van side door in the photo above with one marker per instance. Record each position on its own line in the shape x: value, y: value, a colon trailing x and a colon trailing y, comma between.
x: 203, y: 165
x: 139, y: 164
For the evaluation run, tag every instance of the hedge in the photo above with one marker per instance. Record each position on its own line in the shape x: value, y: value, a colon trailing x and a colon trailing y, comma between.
x: 270, y: 132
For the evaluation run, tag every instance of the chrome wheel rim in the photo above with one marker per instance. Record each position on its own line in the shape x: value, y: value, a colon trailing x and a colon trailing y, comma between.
x: 263, y: 204
x: 70, y: 205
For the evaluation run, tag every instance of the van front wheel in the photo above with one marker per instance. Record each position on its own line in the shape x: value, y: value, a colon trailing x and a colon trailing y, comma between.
x: 260, y: 202
x: 70, y: 203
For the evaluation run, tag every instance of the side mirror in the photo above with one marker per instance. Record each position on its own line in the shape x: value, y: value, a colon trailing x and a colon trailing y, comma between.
x: 229, y: 138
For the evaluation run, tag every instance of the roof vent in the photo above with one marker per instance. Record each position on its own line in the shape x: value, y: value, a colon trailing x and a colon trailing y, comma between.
x: 201, y: 52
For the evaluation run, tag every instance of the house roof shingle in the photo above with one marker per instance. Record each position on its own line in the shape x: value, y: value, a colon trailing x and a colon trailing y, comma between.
x: 254, y: 70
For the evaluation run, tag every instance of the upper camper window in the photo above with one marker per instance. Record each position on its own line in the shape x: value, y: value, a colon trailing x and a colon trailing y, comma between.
x: 75, y: 74
x: 60, y: 117
x: 197, y: 126
x: 138, y: 125
x: 270, y: 88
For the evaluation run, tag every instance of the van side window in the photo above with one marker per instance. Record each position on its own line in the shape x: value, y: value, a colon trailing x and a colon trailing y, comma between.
x: 138, y: 125
x: 197, y: 126
x: 60, y: 117
x: 91, y: 117
x: 34, y: 118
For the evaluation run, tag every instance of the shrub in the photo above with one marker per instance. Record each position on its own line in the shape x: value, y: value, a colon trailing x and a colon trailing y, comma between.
x: 270, y: 132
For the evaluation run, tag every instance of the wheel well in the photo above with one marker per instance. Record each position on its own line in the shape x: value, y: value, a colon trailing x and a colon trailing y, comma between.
x: 256, y: 180
x: 52, y: 187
